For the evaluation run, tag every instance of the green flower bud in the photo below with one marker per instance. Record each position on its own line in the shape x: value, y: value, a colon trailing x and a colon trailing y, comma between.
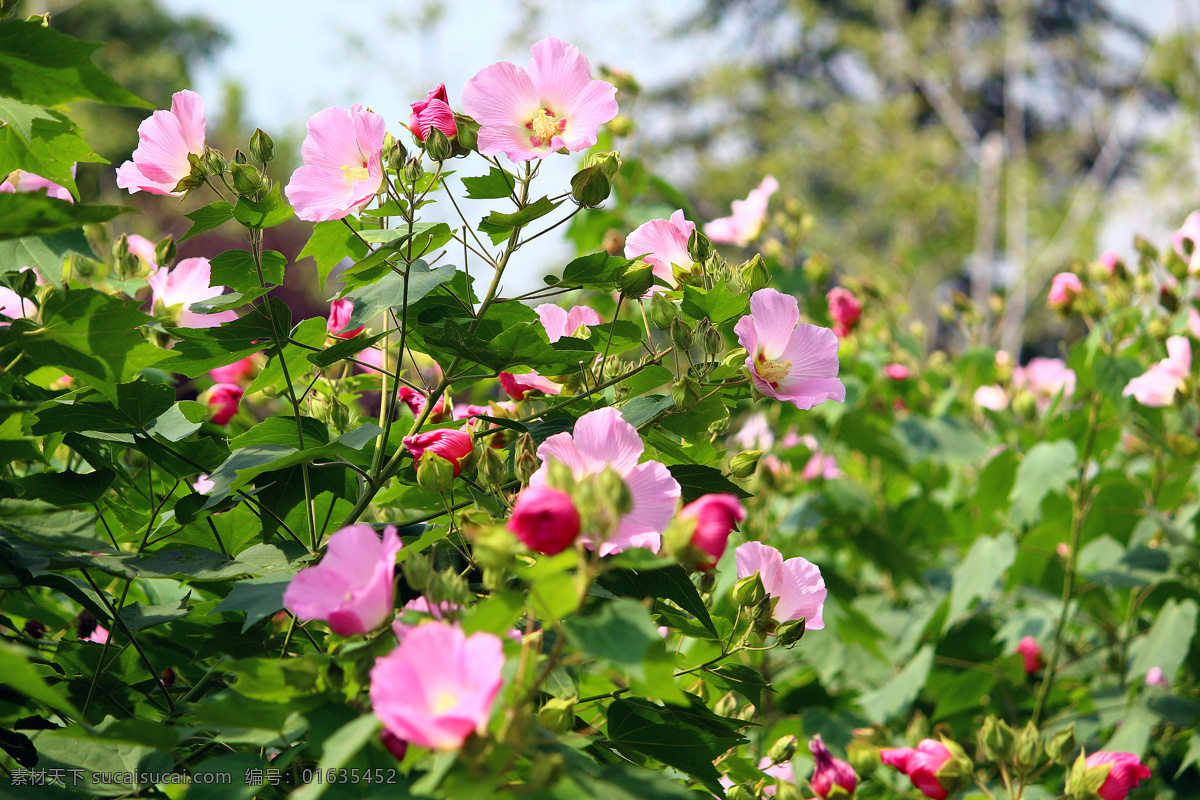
x: 744, y: 463
x: 609, y: 162
x: 681, y: 335
x: 784, y: 749
x: 957, y: 773
x: 416, y: 571
x: 126, y: 263
x: 413, y: 171
x: 749, y: 592
x: 1061, y: 745
x: 1083, y: 782
x: 239, y: 157
x: 437, y: 144
x: 214, y: 161
x: 699, y: 247
x: 754, y: 274
x: 468, y: 133
x: 735, y: 358
x: 662, y: 311
x: 817, y: 269
x: 689, y: 274
x: 434, y: 473
x: 726, y: 706
x: 686, y: 392
x: 789, y: 634
x: 786, y: 790
x: 1028, y: 751
x: 525, y: 465
x: 491, y: 468
x: 394, y: 154
x: 557, y: 715
x: 165, y: 251
x: 246, y: 180
x: 613, y: 492
x: 996, y: 740
x: 262, y: 147
x: 590, y: 187
x: 637, y: 280
x: 711, y: 339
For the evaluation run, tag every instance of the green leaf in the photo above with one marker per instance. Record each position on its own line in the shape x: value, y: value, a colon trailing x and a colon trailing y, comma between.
x: 372, y: 300
x: 718, y: 304
x: 945, y: 440
x: 67, y: 488
x: 311, y: 332
x: 595, y: 271
x: 36, y: 214
x: 621, y: 632
x: 345, y: 348
x: 202, y: 349
x: 500, y: 226
x: 21, y: 115
x: 40, y: 65
x: 623, y: 781
x: 979, y: 573
x: 235, y: 269
x: 426, y: 237
x: 256, y: 598
x: 1167, y: 643
x: 1047, y: 467
x: 747, y: 682
x: 21, y: 676
x: 496, y: 184
x: 45, y: 253
x: 696, y: 480
x: 276, y: 680
x: 899, y: 693
x: 138, y: 617
x: 42, y: 524
x: 688, y: 739
x: 331, y: 242
x: 338, y: 749
x: 179, y: 421
x: 670, y: 583
x: 266, y: 213
x: 55, y: 147
x: 211, y: 216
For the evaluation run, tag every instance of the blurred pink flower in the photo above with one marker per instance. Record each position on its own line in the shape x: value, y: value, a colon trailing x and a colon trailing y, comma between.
x: 236, y: 372
x: 1189, y: 230
x: 372, y: 360
x: 352, y: 587
x: 184, y: 286
x: 1126, y: 771
x: 559, y: 323
x: 715, y: 516
x: 661, y: 243
x: 517, y: 386
x: 1031, y: 654
x: 165, y: 139
x: 416, y: 402
x: 203, y: 485
x: 603, y: 439
x: 921, y: 765
x: 223, y: 400
x: 821, y: 465
x: 829, y: 771
x: 1157, y: 386
x: 22, y: 181
x: 343, y: 167
x: 992, y: 398
x: 451, y: 445
x: 437, y: 687
x: 143, y: 248
x: 1155, y: 677
x: 789, y: 360
x: 339, y: 317
x: 1064, y: 287
x: 755, y: 433
x: 1045, y: 378
x: 897, y: 372
x: 530, y: 114
x: 844, y: 310
x: 748, y: 217
x: 13, y: 306
x: 797, y: 583
x: 545, y: 519
x: 433, y: 112
x: 1109, y: 260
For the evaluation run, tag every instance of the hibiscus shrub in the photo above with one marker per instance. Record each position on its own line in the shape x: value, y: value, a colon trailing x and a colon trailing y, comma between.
x: 446, y: 544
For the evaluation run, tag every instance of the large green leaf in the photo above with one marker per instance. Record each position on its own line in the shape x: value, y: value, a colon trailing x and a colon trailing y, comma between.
x: 898, y: 694
x: 211, y: 216
x: 493, y: 186
x: 55, y: 147
x: 1168, y: 641
x: 1047, y: 467
x: 20, y: 116
x: 40, y: 65
x: 67, y: 488
x: 621, y: 633
x: 235, y: 269
x: 45, y: 253
x: 256, y: 598
x: 670, y: 583
x: 372, y: 300
x: 272, y: 210
x: 979, y: 573
x: 35, y: 214
x: 331, y: 242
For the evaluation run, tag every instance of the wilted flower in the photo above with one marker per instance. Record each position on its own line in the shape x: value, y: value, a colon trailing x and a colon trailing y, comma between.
x: 797, y: 583
x: 714, y: 516
x: 433, y: 112
x: 559, y: 323
x: 165, y: 139
x: 339, y: 317
x: 828, y: 771
x: 844, y: 309
x: 530, y: 114
x: 517, y: 386
x: 343, y: 166
x: 545, y: 519
x: 748, y: 217
x: 1031, y: 652
x: 1157, y: 386
x: 223, y: 400
x: 437, y: 687
x: 451, y: 445
x: 184, y: 286
x: 789, y: 360
x: 661, y: 243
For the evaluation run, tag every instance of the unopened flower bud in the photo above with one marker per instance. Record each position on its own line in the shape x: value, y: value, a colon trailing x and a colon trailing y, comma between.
x: 754, y: 274
x: 125, y: 261
x: 165, y: 251
x: 681, y: 335
x: 557, y: 715
x: 789, y: 633
x: 434, y: 473
x: 662, y: 311
x: 637, y: 280
x: 741, y: 792
x: 1061, y: 746
x: 749, y: 592
x: 246, y: 179
x: 744, y: 463
x: 262, y: 147
x: 786, y: 790
x: 699, y: 246
x: 413, y: 171
x: 491, y: 468
x: 416, y: 571
x: 614, y: 492
x: 996, y: 740
x: 525, y: 465
x: 394, y: 154
x: 1028, y: 751
x: 686, y: 392
x: 726, y: 706
x: 784, y: 749
x: 239, y: 157
x: 712, y: 341
x: 214, y: 161
x: 437, y: 144
x: 609, y: 162
x: 590, y: 187
x: 468, y: 133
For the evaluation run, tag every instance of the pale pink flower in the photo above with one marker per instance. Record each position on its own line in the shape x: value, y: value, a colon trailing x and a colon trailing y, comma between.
x: 165, y: 139
x: 13, y: 306
x: 185, y: 285
x: 1189, y: 230
x: 1045, y: 378
x: 921, y: 765
x: 416, y: 402
x: 437, y: 687
x: 829, y: 771
x: 530, y: 114
x: 797, y: 583
x: 821, y: 465
x: 1155, y: 677
x: 844, y: 309
x: 468, y: 410
x: 1109, y: 260
x: 236, y: 372
x: 1193, y: 322
x: 372, y: 360
x: 991, y: 397
x: 203, y: 485
x: 22, y: 181
x: 746, y: 223
x: 143, y: 248
x: 433, y: 112
x: 339, y: 317
x: 897, y: 372
x: 545, y: 519
x: 789, y: 360
x: 661, y: 243
x: 351, y: 588
x: 99, y: 635
x: 1126, y: 772
x: 343, y: 164
x: 449, y: 444
x: 559, y: 323
x: 781, y: 772
x: 714, y: 516
x: 1064, y: 288
x: 756, y: 433
x: 1157, y: 386
x: 517, y: 386
x: 602, y: 440
x: 1031, y: 654
x: 222, y: 400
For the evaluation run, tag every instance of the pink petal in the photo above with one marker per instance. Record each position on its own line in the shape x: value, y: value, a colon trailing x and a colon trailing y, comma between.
x: 319, y: 194
x: 596, y: 105
x: 559, y: 73
x: 803, y: 593
x: 604, y: 438
x: 513, y: 141
x: 332, y: 141
x: 554, y: 320
x: 188, y: 108
x: 500, y: 96
x: 765, y: 560
x: 775, y: 318
x: 560, y: 447
x: 581, y: 316
x: 655, y: 494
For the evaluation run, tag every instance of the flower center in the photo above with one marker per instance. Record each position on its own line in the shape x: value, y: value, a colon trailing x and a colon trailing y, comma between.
x: 444, y: 701
x: 772, y: 371
x: 545, y: 127
x: 353, y: 174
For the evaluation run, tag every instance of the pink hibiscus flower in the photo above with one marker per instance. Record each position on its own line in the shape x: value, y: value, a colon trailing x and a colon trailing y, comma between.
x: 1064, y: 288
x: 165, y: 139
x: 22, y: 181
x: 559, y: 323
x: 603, y: 439
x: 661, y: 243
x: 746, y: 223
x: 797, y: 583
x: 530, y: 114
x: 789, y: 360
x: 1157, y: 386
x: 1045, y: 377
x: 185, y: 285
x: 517, y: 386
x: 343, y: 164
x: 1125, y: 772
x: 433, y: 112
